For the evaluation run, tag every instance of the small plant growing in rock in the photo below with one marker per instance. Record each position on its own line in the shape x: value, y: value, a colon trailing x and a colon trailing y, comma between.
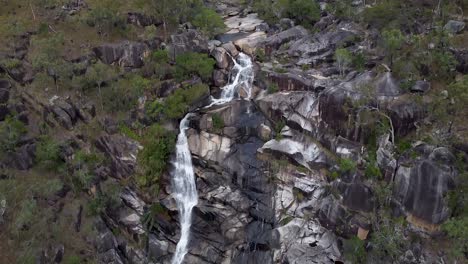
x: 273, y: 88
x: 218, y: 122
x: 343, y: 58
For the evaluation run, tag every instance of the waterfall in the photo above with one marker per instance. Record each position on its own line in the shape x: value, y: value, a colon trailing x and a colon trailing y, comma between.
x: 183, y: 178
x: 243, y: 78
x: 183, y: 185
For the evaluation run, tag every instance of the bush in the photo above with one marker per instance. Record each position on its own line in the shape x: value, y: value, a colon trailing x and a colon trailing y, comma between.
x: 154, y: 158
x: 347, y: 165
x: 354, y: 250
x: 305, y: 12
x: 11, y: 131
x: 48, y: 154
x: 218, y: 122
x: 176, y: 105
x: 457, y: 230
x: 272, y: 88
x: 209, y: 22
x: 382, y: 14
x: 191, y: 63
x: 387, y: 242
x: 344, y: 58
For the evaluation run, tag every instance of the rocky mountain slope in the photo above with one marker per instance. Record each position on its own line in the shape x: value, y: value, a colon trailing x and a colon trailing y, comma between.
x: 345, y: 143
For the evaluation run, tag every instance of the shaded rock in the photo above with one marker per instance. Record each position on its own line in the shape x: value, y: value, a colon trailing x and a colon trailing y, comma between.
x: 386, y: 85
x: 4, y: 91
x: 157, y: 248
x: 421, y: 184
x: 23, y: 158
x: 421, y: 87
x: 454, y: 26
x: 126, y: 54
x: 4, y: 111
x: 220, y: 78
x: 461, y: 55
x: 356, y: 196
x: 122, y: 152
x: 286, y: 23
x: 275, y: 41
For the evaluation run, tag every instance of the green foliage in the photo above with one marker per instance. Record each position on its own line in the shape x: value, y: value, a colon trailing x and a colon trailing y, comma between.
x: 305, y: 12
x: 48, y: 154
x: 354, y: 250
x: 372, y: 170
x: 48, y: 187
x: 218, y: 122
x: 382, y: 14
x: 159, y: 145
x: 11, y: 131
x: 209, y: 22
x: 73, y: 259
x: 10, y: 64
x: 266, y: 10
x: 387, y: 242
x: 457, y: 230
x: 108, y: 199
x: 176, y: 105
x: 278, y: 127
x: 347, y: 165
x: 124, y: 129
x: 105, y: 17
x: 359, y: 61
x: 122, y: 95
x: 273, y: 88
x: 150, y: 217
x: 48, y: 58
x: 392, y: 40
x: 402, y: 146
x: 344, y: 58
x: 192, y: 63
x: 158, y: 64
x: 26, y: 214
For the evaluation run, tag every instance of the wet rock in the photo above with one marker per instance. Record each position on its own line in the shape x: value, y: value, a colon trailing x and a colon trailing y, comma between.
x: 421, y: 87
x: 221, y: 57
x: 454, y: 26
x: 421, y: 184
x: 122, y: 152
x: 126, y: 54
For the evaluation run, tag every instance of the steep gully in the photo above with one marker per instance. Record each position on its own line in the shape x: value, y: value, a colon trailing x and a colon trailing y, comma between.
x: 183, y: 178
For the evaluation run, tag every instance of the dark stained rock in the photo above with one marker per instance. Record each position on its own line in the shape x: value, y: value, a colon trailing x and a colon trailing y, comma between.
x: 122, y: 152
x: 126, y: 54
x: 356, y: 196
x: 4, y: 91
x: 461, y: 55
x: 422, y: 183
x: 4, y: 111
x: 23, y: 158
x: 191, y: 40
x: 23, y: 73
x: 157, y: 248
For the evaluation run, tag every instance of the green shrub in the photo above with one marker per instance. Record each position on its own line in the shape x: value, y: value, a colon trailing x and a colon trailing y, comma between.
x: 278, y: 127
x: 457, y: 230
x: 48, y: 154
x: 305, y: 12
x: 26, y: 214
x: 176, y: 105
x: 387, y: 242
x: 218, y: 122
x: 10, y: 64
x: 273, y: 88
x: 154, y: 158
x: 347, y: 165
x: 11, y: 131
x: 72, y: 259
x: 372, y: 171
x: 209, y: 22
x: 354, y: 250
x: 191, y: 63
x: 343, y: 58
x: 381, y: 15
x: 150, y: 217
x: 105, y: 19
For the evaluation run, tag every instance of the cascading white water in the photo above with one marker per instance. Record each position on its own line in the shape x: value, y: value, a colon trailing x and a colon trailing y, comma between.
x: 183, y: 179
x: 183, y: 185
x: 243, y: 78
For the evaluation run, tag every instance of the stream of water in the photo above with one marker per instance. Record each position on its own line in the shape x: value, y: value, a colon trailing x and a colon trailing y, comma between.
x: 183, y: 178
